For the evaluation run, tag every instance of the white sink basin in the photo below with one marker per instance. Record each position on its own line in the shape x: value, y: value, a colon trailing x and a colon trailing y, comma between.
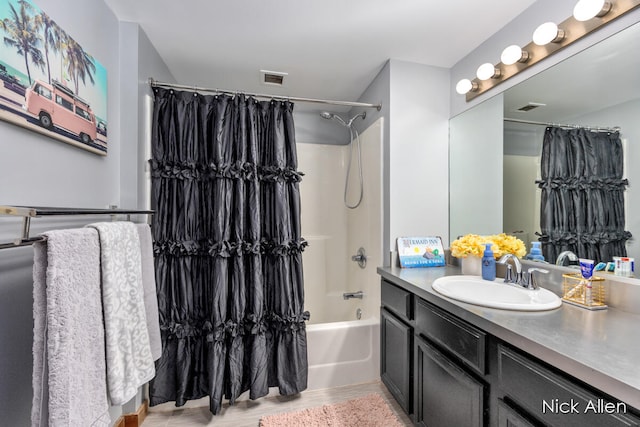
x: 496, y: 294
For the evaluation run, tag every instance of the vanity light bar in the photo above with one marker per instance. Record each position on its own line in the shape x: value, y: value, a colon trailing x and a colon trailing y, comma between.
x: 569, y: 31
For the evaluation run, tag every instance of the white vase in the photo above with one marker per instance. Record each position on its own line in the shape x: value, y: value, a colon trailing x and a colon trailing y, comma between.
x: 471, y: 265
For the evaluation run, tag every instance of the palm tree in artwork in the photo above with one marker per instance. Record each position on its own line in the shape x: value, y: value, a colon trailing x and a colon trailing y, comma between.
x: 80, y: 65
x: 20, y: 29
x: 52, y: 35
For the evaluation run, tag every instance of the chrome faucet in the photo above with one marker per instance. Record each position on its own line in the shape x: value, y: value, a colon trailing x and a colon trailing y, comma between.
x: 509, y: 277
x: 525, y: 279
x: 529, y: 279
x: 564, y: 255
x: 349, y: 295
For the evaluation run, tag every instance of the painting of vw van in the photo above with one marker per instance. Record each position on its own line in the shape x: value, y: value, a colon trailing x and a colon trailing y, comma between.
x: 48, y: 83
x: 56, y: 105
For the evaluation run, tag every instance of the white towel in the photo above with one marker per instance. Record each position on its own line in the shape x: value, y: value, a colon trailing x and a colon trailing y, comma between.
x: 129, y: 361
x: 149, y: 286
x: 69, y: 383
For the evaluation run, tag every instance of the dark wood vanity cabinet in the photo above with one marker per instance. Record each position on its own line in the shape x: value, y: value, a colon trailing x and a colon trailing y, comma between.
x: 396, y: 344
x: 449, y: 369
x: 554, y: 399
x: 444, y: 371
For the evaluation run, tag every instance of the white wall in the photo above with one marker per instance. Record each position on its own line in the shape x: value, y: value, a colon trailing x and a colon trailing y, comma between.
x: 364, y: 224
x: 521, y: 206
x: 324, y: 226
x: 335, y: 233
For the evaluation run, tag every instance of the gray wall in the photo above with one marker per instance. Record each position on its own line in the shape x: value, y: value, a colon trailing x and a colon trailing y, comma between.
x: 475, y: 176
x: 139, y: 62
x: 379, y: 92
x: 415, y: 108
x: 45, y: 172
x: 313, y: 129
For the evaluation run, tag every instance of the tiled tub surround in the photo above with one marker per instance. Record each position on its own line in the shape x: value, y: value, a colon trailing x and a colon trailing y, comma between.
x: 598, y: 348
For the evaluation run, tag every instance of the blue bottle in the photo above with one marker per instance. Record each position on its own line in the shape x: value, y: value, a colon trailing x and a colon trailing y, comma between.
x: 488, y: 263
x: 536, y: 252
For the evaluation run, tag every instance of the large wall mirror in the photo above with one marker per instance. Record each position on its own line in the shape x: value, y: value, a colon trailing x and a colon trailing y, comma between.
x: 495, y: 147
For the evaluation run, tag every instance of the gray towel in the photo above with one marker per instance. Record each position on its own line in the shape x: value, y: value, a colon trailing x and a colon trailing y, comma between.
x: 69, y: 383
x: 129, y: 361
x: 149, y: 286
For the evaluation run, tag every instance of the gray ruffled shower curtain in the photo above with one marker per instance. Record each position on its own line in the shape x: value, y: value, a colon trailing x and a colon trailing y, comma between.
x: 582, y: 201
x: 225, y: 188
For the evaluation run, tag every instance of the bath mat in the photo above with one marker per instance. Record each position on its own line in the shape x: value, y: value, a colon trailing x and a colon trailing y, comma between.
x: 366, y: 411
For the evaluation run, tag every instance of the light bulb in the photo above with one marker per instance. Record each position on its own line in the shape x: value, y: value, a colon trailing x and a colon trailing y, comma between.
x: 512, y: 54
x: 547, y: 33
x: 588, y: 9
x: 466, y: 85
x: 487, y: 71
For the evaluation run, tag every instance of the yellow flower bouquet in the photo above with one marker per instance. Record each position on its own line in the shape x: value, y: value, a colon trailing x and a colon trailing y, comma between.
x: 474, y: 245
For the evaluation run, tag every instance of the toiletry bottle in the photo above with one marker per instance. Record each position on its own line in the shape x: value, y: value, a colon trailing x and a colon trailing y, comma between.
x: 536, y: 252
x: 488, y: 263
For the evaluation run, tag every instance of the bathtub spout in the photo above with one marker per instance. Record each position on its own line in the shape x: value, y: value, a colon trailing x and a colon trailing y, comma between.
x: 349, y: 295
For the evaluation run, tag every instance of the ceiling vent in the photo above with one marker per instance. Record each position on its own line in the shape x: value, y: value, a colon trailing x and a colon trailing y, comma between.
x: 531, y: 106
x: 272, y: 78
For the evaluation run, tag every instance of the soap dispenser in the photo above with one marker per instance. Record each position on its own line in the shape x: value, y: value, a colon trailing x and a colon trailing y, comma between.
x: 536, y: 252
x: 488, y: 263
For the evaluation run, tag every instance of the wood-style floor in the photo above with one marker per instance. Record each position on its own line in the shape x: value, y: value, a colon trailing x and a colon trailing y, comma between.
x: 248, y: 412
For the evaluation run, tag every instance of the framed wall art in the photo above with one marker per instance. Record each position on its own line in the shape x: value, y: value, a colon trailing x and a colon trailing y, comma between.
x: 48, y: 82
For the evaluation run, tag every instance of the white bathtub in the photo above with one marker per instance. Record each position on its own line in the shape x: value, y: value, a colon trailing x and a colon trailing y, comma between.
x: 342, y: 353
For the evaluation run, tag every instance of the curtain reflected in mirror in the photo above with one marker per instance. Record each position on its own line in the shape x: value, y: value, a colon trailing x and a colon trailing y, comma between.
x: 582, y: 199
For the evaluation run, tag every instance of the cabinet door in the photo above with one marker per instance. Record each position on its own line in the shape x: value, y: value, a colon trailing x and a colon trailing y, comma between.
x: 508, y: 417
x: 445, y: 394
x: 395, y: 358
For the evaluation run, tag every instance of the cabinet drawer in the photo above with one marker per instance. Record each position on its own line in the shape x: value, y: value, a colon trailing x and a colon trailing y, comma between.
x: 553, y: 399
x: 397, y: 300
x: 460, y: 338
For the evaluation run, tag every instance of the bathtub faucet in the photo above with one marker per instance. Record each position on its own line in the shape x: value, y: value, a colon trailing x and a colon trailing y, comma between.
x: 349, y: 295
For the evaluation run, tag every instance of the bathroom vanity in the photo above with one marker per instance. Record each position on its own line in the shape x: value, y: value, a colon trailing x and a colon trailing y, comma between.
x: 450, y: 363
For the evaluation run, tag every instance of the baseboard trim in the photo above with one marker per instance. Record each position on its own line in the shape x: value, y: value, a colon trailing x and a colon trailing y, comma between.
x: 135, y: 419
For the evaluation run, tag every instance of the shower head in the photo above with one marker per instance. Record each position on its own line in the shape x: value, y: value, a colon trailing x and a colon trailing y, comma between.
x: 327, y: 115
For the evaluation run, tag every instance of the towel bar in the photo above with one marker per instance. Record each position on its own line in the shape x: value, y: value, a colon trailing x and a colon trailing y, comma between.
x: 28, y: 212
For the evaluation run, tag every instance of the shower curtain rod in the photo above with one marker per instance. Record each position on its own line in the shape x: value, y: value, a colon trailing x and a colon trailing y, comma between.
x: 155, y: 83
x: 593, y: 128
